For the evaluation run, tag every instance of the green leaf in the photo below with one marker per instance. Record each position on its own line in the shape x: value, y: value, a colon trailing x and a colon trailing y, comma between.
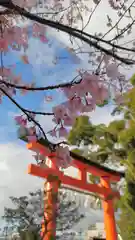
x: 132, y: 80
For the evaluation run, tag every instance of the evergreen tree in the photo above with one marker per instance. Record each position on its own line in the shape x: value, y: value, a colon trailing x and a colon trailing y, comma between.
x: 26, y: 215
x: 114, y: 144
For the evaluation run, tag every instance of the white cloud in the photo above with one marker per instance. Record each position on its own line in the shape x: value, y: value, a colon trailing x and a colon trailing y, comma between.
x: 40, y: 53
x: 13, y: 171
x: 103, y: 115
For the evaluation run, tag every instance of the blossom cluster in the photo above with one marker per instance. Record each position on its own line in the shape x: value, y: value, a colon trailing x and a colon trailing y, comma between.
x: 115, y: 4
x: 80, y: 98
x: 25, y: 3
x: 16, y: 37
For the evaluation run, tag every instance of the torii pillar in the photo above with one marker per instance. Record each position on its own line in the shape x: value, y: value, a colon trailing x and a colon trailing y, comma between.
x: 54, y: 177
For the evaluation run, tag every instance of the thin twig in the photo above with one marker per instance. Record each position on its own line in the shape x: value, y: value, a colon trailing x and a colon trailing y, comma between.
x: 24, y: 111
x: 89, y: 19
x: 123, y: 31
x: 72, y: 31
x: 116, y: 24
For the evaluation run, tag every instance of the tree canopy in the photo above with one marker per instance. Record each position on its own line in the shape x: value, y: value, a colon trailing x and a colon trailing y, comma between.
x: 114, y: 144
x: 27, y: 213
x: 102, y: 78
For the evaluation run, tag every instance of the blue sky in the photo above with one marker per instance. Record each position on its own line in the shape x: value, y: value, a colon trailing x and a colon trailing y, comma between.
x: 14, y: 157
x: 43, y: 72
x: 13, y: 153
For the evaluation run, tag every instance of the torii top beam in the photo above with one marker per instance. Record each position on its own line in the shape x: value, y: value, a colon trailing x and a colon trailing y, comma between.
x: 81, y: 163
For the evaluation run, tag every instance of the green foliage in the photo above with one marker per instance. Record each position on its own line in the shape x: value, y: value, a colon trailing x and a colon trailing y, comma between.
x: 117, y: 111
x: 94, y: 179
x: 132, y: 80
x: 82, y: 130
x: 26, y: 215
x: 115, y: 143
x: 101, y: 138
x: 29, y: 235
x: 78, y: 151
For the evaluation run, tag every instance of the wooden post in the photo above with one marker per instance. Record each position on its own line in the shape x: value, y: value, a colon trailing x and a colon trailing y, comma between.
x: 51, y: 187
x: 109, y: 218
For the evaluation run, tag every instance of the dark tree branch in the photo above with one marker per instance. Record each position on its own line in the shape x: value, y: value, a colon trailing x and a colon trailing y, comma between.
x: 52, y: 87
x: 39, y: 113
x: 90, y: 17
x: 72, y: 31
x: 24, y: 111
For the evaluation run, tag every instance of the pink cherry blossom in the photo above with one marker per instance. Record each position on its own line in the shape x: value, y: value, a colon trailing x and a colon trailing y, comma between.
x: 22, y: 131
x: 62, y: 132
x: 5, y: 72
x: 32, y: 138
x: 76, y: 104
x: 39, y: 31
x: 80, y: 98
x: 119, y: 99
x: 68, y: 120
x: 48, y: 98
x: 16, y: 79
x: 115, y: 4
x: 25, y: 3
x: 59, y: 112
x: 69, y: 92
x: 19, y: 119
x: 73, y: 106
x: 106, y: 59
x: 11, y: 91
x: 87, y: 108
x: 53, y: 133
x: 43, y: 39
x: 112, y: 71
x: 3, y: 45
x: 17, y: 37
x: 63, y: 157
x: 81, y: 90
x: 91, y: 83
x: 31, y: 131
x: 102, y: 95
x: 87, y: 78
x: 90, y: 105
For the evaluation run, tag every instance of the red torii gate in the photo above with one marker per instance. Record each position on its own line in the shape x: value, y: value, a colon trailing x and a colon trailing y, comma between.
x: 54, y: 177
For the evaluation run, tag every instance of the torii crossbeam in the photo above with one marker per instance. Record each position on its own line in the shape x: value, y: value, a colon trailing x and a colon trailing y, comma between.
x: 54, y: 177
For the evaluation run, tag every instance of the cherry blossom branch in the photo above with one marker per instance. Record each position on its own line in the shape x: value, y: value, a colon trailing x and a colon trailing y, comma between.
x: 89, y: 19
x: 38, y: 113
x: 123, y: 31
x: 72, y: 31
x: 65, y: 28
x: 62, y: 85
x: 116, y: 24
x: 24, y: 111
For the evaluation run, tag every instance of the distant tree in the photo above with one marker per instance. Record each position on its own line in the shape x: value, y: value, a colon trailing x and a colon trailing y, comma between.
x: 26, y: 215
